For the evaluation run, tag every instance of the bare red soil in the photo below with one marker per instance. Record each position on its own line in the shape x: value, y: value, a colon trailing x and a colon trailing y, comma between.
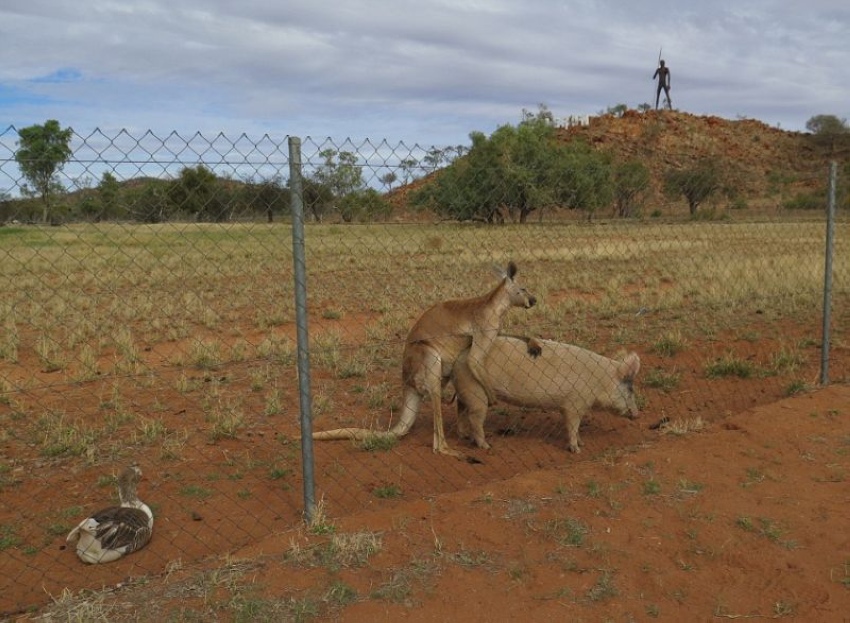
x: 745, y: 517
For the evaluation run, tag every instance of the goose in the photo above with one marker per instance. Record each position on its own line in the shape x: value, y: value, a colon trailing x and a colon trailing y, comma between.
x: 116, y: 530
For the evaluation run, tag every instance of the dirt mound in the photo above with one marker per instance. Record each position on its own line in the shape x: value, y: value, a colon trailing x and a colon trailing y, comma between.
x: 758, y: 161
x: 754, y: 152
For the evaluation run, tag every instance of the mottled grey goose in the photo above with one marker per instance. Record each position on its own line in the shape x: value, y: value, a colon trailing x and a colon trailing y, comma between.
x: 117, y: 530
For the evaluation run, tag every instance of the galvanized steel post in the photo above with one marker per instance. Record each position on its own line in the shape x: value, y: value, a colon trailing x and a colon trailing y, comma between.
x: 300, y: 272
x: 827, y: 279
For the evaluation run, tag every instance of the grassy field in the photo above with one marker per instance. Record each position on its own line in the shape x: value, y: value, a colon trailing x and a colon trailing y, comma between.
x: 174, y: 346
x: 93, y: 286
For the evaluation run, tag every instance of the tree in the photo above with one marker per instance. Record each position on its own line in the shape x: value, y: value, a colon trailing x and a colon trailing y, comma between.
x: 388, y: 179
x: 42, y: 152
x: 339, y: 172
x: 150, y: 204
x: 433, y: 159
x: 827, y: 124
x: 586, y: 179
x: 109, y: 190
x: 198, y: 192
x: 631, y: 180
x: 366, y: 204
x: 268, y: 196
x: 696, y: 183
x: 317, y: 198
x: 517, y: 170
x: 407, y: 166
x: 617, y: 110
x: 337, y: 176
x: 827, y: 129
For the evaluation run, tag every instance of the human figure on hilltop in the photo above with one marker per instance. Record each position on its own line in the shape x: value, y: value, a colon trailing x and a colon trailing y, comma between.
x: 663, y: 75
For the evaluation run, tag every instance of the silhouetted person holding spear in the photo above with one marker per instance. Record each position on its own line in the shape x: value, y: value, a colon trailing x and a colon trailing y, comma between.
x: 663, y: 75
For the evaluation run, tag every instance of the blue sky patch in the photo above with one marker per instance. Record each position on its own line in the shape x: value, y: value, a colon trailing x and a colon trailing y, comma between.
x: 64, y: 74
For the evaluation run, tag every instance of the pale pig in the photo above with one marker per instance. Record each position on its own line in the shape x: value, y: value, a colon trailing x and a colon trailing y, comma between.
x: 564, y: 377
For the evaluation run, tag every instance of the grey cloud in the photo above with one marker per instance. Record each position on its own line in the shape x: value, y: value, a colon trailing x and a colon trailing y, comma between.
x: 424, y: 71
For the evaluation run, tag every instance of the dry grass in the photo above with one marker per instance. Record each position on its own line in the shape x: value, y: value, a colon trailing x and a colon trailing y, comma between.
x: 155, y: 282
x: 176, y: 317
x: 683, y: 426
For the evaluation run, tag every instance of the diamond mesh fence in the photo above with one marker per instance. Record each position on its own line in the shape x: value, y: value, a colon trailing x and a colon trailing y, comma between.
x: 148, y: 317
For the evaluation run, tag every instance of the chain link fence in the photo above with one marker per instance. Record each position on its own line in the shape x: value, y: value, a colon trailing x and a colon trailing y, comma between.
x: 149, y: 317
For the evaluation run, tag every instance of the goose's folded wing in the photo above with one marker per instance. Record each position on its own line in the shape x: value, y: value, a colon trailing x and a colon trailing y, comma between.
x: 121, y: 527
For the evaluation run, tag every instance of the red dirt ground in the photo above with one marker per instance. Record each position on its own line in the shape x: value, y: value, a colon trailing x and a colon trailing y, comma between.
x: 745, y: 518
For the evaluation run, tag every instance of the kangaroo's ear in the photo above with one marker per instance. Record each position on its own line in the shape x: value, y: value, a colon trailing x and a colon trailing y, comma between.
x: 629, y: 367
x: 511, y: 272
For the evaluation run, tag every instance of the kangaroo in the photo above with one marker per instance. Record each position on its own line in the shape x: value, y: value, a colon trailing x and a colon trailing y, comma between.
x: 436, y: 339
x: 564, y: 376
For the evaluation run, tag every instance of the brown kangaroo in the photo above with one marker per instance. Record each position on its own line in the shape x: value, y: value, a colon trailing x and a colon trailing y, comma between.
x: 442, y: 332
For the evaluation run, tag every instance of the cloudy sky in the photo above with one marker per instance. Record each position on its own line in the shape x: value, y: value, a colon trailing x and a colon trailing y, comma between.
x: 426, y: 72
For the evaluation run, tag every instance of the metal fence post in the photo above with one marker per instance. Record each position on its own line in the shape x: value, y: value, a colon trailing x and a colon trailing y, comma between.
x: 300, y: 272
x: 827, y: 279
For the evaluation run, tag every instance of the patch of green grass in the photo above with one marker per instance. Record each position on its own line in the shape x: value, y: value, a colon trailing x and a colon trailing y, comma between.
x: 150, y: 429
x: 58, y: 529
x: 765, y: 527
x: 603, y: 588
x: 379, y: 443
x: 343, y: 550
x: 664, y: 380
x: 730, y: 365
x: 225, y: 421
x: 8, y: 538
x: 319, y: 523
x: 754, y: 476
x: 276, y: 473
x: 669, y: 344
x: 387, y: 491
x: 689, y: 487
x: 351, y: 367
x: 62, y: 438
x: 796, y: 387
x: 397, y: 589
x: 519, y: 507
x: 843, y: 575
x: 786, y: 360
x: 568, y: 531
x: 651, y: 487
x: 51, y: 354
x: 332, y: 313
x: 195, y: 491
x: 206, y: 354
x: 340, y: 594
x: 471, y: 558
x: 745, y: 523
x: 274, y: 403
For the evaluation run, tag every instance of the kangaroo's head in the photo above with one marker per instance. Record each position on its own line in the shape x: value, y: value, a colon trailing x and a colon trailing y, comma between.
x: 518, y: 295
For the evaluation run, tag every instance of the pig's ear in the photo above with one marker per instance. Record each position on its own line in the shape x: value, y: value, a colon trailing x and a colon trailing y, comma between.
x: 629, y: 367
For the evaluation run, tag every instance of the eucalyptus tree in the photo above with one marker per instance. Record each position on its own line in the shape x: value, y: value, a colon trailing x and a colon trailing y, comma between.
x: 42, y: 152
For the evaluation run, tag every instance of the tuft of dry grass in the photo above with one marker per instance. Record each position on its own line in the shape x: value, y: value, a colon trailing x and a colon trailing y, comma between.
x: 683, y: 426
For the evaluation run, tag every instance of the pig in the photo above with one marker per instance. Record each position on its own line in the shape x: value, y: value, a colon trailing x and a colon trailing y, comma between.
x: 563, y: 376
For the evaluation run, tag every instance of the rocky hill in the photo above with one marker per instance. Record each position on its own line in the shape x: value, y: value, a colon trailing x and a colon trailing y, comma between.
x: 766, y: 165
x: 755, y: 155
